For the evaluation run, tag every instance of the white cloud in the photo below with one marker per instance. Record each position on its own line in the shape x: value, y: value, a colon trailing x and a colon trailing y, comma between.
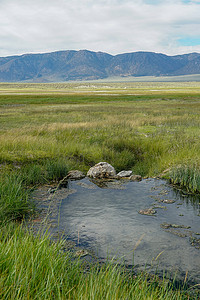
x: 112, y: 26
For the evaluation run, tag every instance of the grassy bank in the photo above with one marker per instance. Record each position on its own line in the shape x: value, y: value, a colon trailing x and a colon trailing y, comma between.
x: 46, y: 130
x: 33, y: 268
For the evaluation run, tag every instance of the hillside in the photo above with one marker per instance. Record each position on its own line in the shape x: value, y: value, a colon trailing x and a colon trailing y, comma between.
x: 88, y: 65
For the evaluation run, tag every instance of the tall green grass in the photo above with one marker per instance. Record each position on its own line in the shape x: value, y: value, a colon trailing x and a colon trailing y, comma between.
x: 16, y: 185
x: 44, y: 171
x: 33, y: 267
x: 14, y: 204
x: 187, y: 177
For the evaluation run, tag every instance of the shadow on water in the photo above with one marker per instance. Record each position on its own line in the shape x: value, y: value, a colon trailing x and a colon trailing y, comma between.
x: 188, y: 198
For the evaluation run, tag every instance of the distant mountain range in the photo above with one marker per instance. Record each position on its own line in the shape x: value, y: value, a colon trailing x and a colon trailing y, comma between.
x: 88, y: 65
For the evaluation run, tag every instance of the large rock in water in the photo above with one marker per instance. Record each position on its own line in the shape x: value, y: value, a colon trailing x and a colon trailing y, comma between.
x: 102, y: 170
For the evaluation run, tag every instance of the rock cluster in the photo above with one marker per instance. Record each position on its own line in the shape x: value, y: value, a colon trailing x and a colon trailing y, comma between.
x: 104, y: 170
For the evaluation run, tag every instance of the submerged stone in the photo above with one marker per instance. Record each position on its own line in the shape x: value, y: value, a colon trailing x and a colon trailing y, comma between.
x: 168, y: 201
x: 195, y: 242
x: 135, y: 178
x: 81, y: 253
x: 108, y: 183
x: 147, y: 211
x: 178, y: 233
x: 159, y: 206
x: 167, y: 225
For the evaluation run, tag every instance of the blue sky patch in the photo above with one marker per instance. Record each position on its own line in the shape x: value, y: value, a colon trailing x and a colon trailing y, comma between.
x: 190, y: 1
x: 189, y: 41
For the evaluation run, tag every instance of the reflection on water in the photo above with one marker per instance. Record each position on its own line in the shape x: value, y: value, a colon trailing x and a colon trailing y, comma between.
x: 107, y: 221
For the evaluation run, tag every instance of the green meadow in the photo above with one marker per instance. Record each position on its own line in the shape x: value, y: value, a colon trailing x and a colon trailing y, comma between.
x: 152, y: 128
x: 146, y: 127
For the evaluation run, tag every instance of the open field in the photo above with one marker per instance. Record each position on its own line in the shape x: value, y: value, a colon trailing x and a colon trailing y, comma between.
x: 48, y: 129
x: 100, y: 87
x: 147, y: 79
x: 147, y: 131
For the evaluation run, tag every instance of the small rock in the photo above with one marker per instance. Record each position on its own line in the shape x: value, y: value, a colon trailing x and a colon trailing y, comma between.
x: 195, y: 242
x: 72, y: 175
x: 135, y: 178
x: 147, y: 211
x: 102, y: 170
x: 168, y: 201
x: 81, y: 253
x: 75, y: 175
x: 124, y: 174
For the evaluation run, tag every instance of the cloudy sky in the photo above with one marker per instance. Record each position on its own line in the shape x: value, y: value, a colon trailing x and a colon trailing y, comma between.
x: 112, y: 26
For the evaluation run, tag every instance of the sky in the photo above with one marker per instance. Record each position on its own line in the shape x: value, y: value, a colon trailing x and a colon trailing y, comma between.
x: 113, y: 26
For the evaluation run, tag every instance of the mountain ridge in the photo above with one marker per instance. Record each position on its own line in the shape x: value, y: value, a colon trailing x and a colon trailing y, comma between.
x: 89, y: 65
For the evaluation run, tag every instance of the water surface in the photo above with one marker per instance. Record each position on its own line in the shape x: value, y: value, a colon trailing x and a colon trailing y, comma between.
x: 106, y: 220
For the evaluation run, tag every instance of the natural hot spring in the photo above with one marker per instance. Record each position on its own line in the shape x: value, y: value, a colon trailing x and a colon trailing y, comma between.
x: 106, y: 221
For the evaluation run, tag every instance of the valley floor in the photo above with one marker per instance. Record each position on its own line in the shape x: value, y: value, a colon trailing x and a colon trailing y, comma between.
x: 47, y: 130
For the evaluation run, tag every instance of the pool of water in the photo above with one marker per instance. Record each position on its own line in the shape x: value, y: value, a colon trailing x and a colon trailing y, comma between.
x: 106, y: 219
